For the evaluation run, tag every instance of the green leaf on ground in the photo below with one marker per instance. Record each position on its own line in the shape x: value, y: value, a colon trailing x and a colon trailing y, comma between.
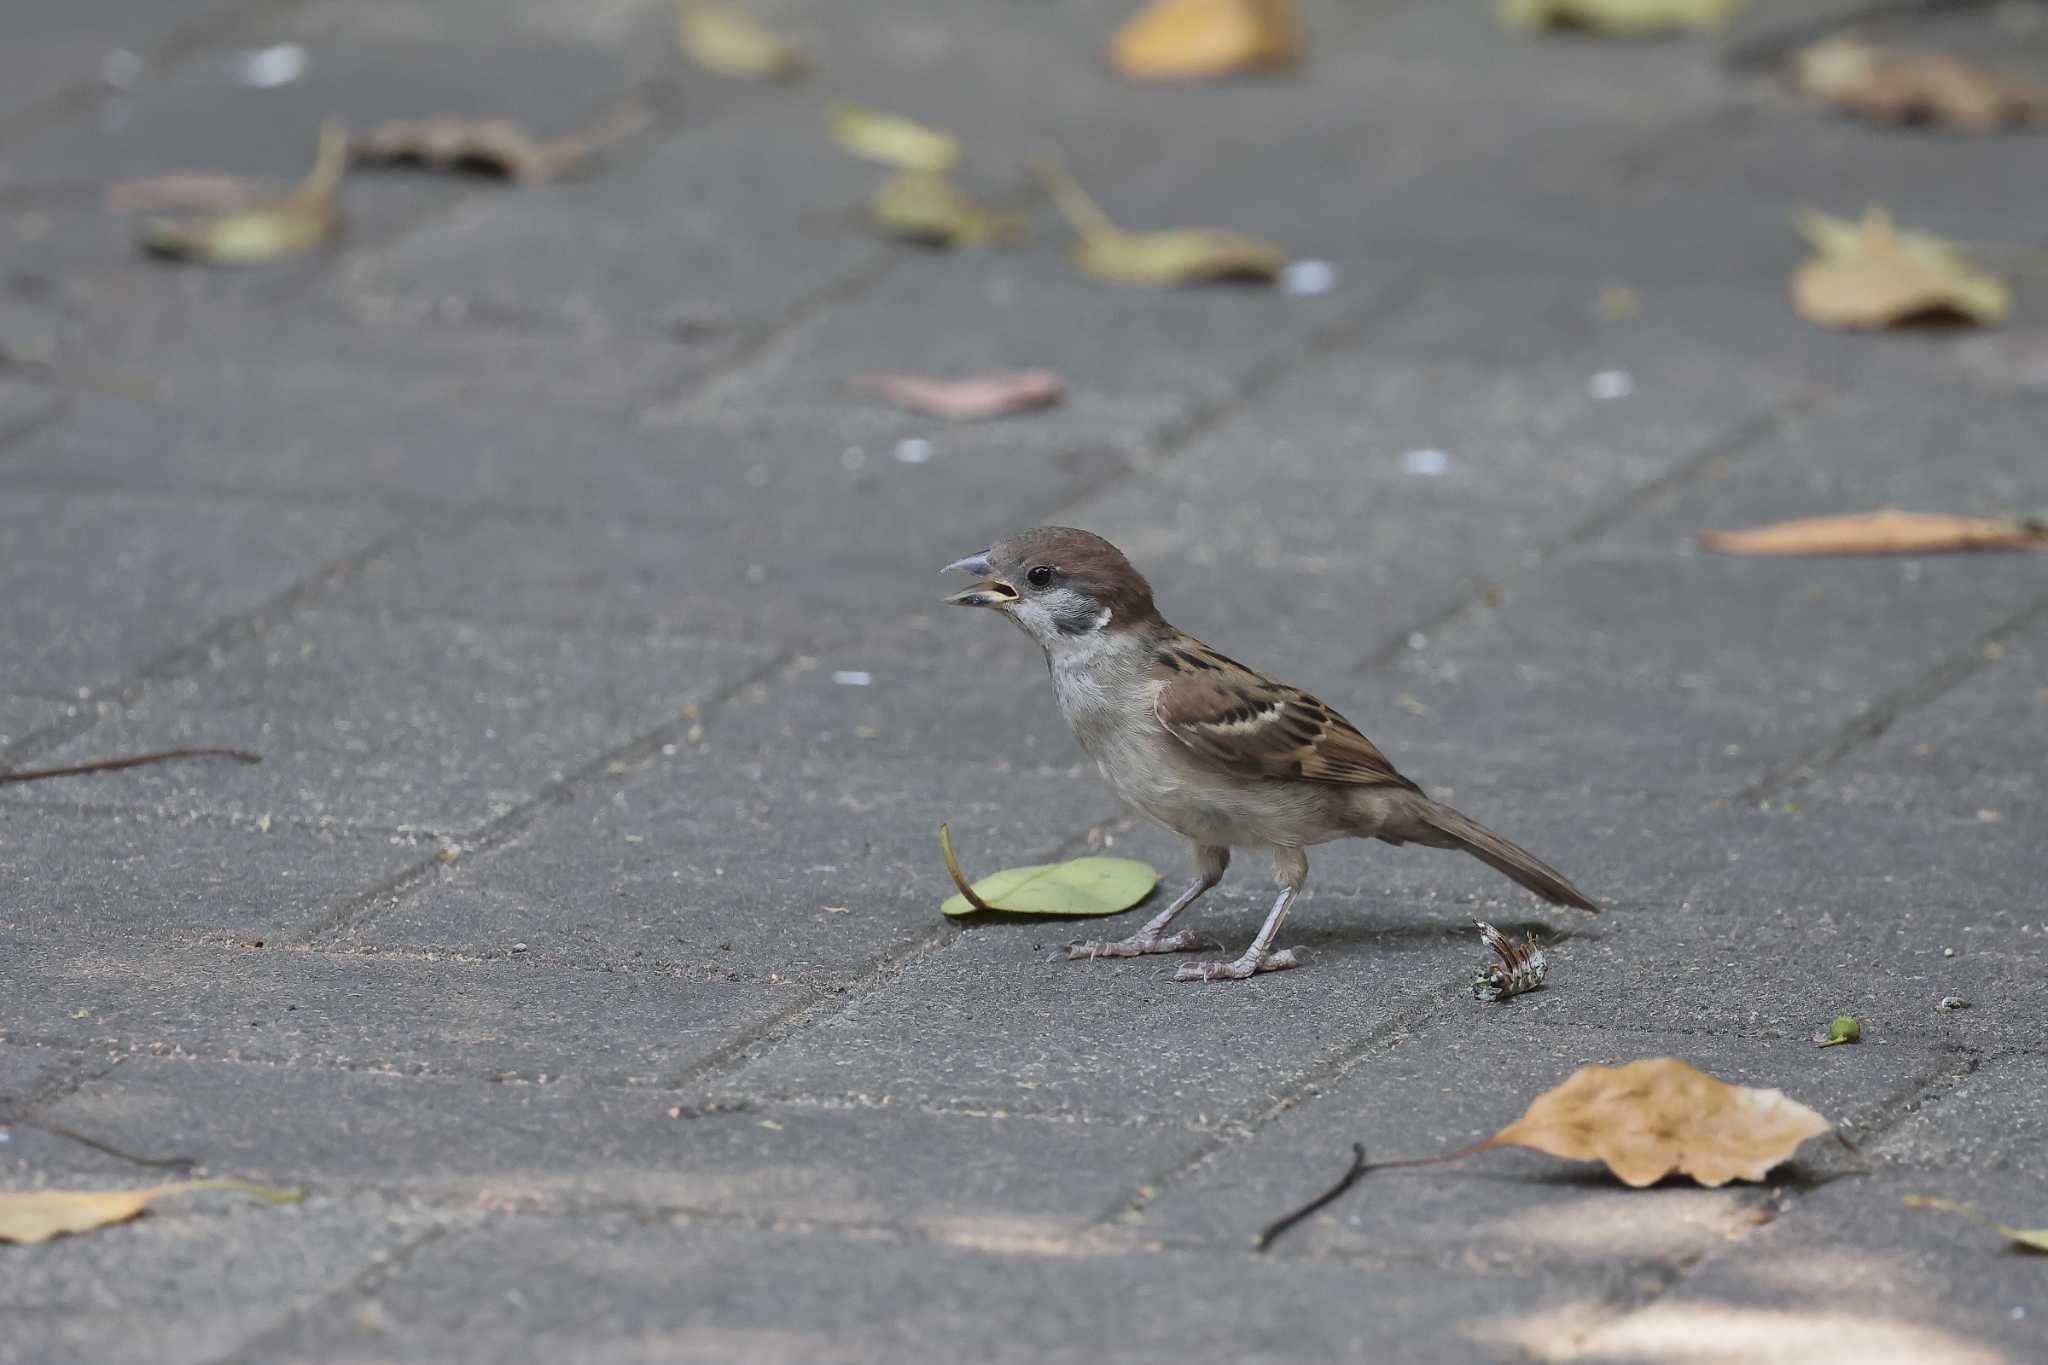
x: 1172, y: 256
x: 284, y: 227
x: 893, y: 140
x: 731, y: 42
x: 1080, y: 886
x: 1844, y: 1029
x: 919, y: 206
x: 2033, y: 1239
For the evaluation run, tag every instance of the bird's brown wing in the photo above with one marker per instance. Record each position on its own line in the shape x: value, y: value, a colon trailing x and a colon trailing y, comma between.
x: 1240, y: 720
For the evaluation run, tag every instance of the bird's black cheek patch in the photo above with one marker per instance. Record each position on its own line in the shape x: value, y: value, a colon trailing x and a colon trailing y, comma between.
x: 1076, y: 616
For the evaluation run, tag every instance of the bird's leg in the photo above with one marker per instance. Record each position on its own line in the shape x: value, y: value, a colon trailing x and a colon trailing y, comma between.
x: 1290, y: 869
x: 1209, y: 864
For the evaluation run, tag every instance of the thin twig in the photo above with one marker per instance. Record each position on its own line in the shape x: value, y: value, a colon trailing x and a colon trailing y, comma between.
x: 107, y: 765
x: 1279, y: 1225
x: 169, y: 1163
x: 953, y: 866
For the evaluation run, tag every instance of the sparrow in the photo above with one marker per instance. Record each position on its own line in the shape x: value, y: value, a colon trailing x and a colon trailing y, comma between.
x: 1211, y: 749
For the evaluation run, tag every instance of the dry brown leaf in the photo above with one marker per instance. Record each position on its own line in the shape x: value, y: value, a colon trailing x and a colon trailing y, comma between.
x: 495, y: 146
x: 919, y: 206
x: 1625, y: 18
x: 264, y: 232
x: 1173, y: 40
x: 893, y: 140
x: 1871, y: 274
x: 730, y: 42
x: 1887, y: 532
x: 1661, y: 1116
x: 966, y: 400
x: 39, y: 1215
x: 1901, y: 85
x: 1172, y: 256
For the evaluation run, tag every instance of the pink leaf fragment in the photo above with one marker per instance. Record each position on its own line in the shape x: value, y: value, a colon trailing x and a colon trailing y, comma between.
x: 967, y: 400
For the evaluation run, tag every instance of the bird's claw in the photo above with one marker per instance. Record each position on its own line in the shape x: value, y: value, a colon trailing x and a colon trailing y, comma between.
x: 1137, y: 945
x: 1251, y: 964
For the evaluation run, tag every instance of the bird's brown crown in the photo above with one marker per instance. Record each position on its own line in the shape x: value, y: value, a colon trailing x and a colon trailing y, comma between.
x: 1084, y: 561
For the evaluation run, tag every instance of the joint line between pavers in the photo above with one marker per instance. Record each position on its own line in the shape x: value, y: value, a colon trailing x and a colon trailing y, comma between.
x: 358, y: 910
x: 184, y: 659
x: 1943, y: 678
x: 1740, y: 436
x: 265, y: 1344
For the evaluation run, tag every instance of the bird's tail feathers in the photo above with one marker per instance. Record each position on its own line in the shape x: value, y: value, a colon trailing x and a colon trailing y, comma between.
x: 1458, y: 831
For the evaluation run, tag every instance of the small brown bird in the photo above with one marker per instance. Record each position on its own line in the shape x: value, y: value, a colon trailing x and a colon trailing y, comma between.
x: 1207, y: 747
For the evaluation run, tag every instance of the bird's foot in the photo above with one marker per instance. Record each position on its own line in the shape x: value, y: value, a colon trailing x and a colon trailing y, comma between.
x: 1137, y: 945
x: 1251, y: 964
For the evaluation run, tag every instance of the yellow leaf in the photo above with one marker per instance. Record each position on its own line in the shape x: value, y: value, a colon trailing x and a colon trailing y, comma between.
x: 265, y: 232
x: 1172, y: 40
x: 1079, y: 886
x: 1658, y: 1117
x: 893, y: 140
x: 1627, y: 18
x: 2033, y: 1239
x: 1900, y: 85
x: 1173, y: 256
x: 730, y: 42
x: 919, y: 206
x: 1870, y: 274
x: 1888, y: 532
x: 39, y: 1215
x: 496, y: 145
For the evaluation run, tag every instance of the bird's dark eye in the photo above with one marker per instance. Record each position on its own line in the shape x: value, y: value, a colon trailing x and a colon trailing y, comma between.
x: 1040, y: 576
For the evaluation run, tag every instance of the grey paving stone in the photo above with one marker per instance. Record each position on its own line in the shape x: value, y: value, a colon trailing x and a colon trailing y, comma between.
x: 1924, y: 447
x: 566, y: 1148
x: 1463, y: 1078
x: 723, y: 230
x: 96, y: 586
x: 1846, y: 1272
x: 1989, y: 1129
x: 996, y: 1020
x: 108, y: 872
x: 1700, y: 675
x: 771, y: 851
x: 420, y: 1014
x: 427, y: 724
x: 1972, y: 757
x: 189, y: 1280
x: 22, y: 716
x: 56, y: 46
x: 615, y: 1291
x: 24, y: 404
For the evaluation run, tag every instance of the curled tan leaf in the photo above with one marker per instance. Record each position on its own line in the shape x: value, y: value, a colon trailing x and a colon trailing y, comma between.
x: 495, y: 146
x: 263, y: 232
x: 1189, y: 39
x: 1171, y: 256
x: 1901, y: 85
x: 1887, y: 532
x: 38, y: 1215
x: 964, y: 400
x: 1662, y: 1116
x: 1871, y: 274
x: 919, y: 206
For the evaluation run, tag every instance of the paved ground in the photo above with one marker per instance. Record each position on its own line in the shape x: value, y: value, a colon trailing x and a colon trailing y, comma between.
x: 531, y: 535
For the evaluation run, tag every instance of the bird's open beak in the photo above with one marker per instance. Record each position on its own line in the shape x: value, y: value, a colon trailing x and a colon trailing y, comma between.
x: 990, y: 592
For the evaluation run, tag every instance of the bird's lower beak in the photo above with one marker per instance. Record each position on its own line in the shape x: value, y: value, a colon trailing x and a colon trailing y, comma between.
x: 992, y: 592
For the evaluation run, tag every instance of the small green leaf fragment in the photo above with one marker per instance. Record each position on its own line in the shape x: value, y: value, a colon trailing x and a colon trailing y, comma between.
x: 923, y: 207
x: 1844, y: 1029
x: 2032, y: 1239
x: 893, y: 140
x: 1080, y: 886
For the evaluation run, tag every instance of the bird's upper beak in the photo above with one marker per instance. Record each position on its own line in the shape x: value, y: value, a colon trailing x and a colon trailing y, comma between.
x: 990, y: 592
